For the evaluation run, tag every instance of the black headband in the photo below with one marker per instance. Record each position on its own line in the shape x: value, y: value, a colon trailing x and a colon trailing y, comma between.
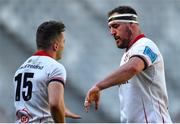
x: 124, y: 18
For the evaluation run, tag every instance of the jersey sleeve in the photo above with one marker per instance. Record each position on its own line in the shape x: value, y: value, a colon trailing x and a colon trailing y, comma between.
x: 57, y: 72
x: 148, y: 52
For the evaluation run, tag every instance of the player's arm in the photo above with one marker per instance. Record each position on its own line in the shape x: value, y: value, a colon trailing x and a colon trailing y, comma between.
x: 121, y: 75
x: 56, y: 101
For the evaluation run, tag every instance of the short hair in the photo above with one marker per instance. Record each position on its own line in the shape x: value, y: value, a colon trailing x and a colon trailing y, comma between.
x: 47, y: 32
x: 122, y: 10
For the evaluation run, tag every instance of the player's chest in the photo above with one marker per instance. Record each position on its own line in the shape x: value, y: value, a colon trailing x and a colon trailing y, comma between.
x: 125, y: 58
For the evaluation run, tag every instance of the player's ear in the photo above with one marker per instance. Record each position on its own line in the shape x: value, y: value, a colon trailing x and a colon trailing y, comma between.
x: 55, y: 45
x: 132, y: 26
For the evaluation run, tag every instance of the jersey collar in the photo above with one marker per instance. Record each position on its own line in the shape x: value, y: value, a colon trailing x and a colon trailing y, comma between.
x: 133, y: 41
x: 41, y: 53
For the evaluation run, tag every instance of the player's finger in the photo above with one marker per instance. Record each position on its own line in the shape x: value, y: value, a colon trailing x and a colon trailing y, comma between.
x: 87, y: 102
x: 75, y: 116
x: 87, y: 105
x: 96, y: 105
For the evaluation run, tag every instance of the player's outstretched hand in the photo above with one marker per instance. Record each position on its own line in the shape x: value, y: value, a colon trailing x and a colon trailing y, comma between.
x: 93, y: 95
x: 72, y: 115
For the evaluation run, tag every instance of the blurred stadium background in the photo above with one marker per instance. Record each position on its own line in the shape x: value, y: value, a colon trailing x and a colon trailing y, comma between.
x: 90, y: 52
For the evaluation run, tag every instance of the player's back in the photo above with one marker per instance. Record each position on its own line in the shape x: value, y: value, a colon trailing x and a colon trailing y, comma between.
x: 31, y: 81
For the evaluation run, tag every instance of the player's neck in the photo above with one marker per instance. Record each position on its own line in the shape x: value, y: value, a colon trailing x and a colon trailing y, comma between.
x: 49, y: 53
x: 135, y: 38
x: 136, y: 33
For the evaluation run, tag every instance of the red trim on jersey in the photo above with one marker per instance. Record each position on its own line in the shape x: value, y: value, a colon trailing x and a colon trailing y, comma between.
x: 41, y: 53
x: 136, y: 39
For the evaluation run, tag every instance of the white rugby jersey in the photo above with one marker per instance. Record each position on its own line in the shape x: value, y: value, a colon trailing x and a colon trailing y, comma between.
x: 31, y: 82
x: 143, y: 98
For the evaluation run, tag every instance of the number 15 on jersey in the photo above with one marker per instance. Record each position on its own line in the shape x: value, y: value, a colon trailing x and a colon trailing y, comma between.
x: 24, y: 86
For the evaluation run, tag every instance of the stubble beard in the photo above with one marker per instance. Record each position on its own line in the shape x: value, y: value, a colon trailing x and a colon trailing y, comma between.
x: 125, y: 41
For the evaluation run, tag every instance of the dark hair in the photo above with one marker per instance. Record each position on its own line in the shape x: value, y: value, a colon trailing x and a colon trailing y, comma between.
x: 47, y: 32
x: 122, y: 10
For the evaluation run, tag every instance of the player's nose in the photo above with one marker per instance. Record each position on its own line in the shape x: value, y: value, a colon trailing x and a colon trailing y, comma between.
x: 112, y: 31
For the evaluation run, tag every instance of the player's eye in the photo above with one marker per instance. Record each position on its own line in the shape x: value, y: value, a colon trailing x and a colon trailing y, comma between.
x: 115, y: 25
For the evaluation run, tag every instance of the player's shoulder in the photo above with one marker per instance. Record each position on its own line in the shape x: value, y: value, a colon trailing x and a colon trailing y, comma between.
x: 146, y: 42
x: 53, y: 64
x: 45, y: 61
x: 56, y: 63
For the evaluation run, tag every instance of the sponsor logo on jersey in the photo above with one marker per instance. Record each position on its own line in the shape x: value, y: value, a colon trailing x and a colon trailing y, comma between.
x: 150, y: 54
x: 32, y: 66
x: 23, y: 115
x: 126, y: 57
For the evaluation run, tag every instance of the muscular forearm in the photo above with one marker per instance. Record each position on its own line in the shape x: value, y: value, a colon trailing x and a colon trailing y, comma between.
x: 118, y: 77
x: 122, y: 74
x: 58, y: 114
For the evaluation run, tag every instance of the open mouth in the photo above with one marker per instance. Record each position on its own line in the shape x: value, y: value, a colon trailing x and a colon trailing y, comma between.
x: 116, y: 37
